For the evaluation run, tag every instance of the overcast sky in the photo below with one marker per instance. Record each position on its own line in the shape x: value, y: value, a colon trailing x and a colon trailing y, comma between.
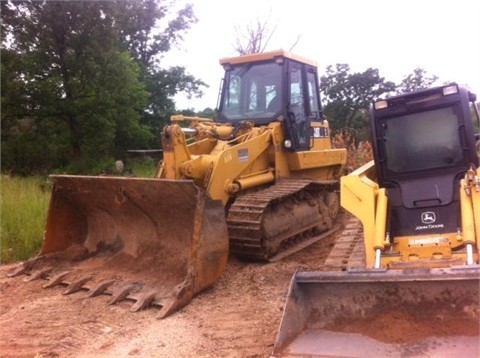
x: 394, y: 36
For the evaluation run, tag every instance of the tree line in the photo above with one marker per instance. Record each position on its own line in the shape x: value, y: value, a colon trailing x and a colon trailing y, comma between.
x: 83, y: 81
x: 347, y: 96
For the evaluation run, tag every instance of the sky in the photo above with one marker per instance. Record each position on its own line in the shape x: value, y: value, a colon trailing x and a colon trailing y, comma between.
x: 394, y: 36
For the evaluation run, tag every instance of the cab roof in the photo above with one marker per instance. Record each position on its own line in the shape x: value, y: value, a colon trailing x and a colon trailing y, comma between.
x: 263, y: 56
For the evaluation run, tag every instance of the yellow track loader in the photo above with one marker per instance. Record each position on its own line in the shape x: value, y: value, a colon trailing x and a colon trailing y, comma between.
x: 260, y: 181
x: 403, y: 278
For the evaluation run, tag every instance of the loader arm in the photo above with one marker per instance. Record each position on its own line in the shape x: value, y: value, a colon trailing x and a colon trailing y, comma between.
x: 470, y: 211
x: 239, y: 167
x: 220, y: 167
x: 174, y: 152
x: 362, y: 197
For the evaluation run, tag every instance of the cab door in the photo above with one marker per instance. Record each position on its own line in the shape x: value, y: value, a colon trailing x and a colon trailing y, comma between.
x: 303, y: 104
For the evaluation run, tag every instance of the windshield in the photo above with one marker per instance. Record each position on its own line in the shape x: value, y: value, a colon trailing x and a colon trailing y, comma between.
x: 252, y: 92
x: 424, y: 140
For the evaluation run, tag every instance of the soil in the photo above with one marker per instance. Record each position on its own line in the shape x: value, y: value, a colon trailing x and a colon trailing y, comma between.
x: 238, y: 317
x: 399, y: 327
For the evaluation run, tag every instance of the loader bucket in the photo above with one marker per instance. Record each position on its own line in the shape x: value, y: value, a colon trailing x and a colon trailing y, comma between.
x: 433, y: 313
x: 163, y: 241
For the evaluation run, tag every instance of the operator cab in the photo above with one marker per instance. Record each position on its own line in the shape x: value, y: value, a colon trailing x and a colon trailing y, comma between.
x: 272, y: 86
x: 423, y: 144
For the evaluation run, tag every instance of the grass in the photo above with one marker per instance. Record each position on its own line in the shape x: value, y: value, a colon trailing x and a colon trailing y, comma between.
x: 143, y: 167
x: 24, y: 206
x: 23, y: 212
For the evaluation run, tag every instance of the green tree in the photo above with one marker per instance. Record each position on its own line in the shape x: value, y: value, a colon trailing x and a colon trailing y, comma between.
x: 82, y: 81
x: 348, y: 95
x: 80, y: 91
x: 418, y: 79
x: 207, y: 113
x: 147, y: 32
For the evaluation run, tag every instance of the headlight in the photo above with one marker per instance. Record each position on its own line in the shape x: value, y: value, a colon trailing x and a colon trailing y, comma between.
x: 450, y: 90
x: 380, y: 104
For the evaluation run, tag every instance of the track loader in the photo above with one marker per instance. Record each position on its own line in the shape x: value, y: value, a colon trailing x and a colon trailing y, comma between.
x: 260, y: 181
x: 403, y: 277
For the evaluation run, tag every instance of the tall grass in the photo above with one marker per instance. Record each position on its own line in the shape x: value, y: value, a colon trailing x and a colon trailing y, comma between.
x: 143, y: 167
x: 23, y: 211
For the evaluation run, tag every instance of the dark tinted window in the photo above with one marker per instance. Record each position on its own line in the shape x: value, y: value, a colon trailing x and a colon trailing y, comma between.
x: 425, y: 140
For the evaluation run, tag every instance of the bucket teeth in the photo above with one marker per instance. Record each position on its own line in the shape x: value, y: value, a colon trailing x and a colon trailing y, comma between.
x: 57, y: 280
x: 100, y: 288
x: 144, y: 300
x: 76, y: 285
x: 121, y: 293
x: 133, y: 291
x: 23, y: 268
x: 20, y: 270
x: 37, y: 275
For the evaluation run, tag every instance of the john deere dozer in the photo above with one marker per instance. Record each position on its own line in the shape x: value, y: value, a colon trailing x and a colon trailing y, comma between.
x: 403, y: 279
x: 260, y: 181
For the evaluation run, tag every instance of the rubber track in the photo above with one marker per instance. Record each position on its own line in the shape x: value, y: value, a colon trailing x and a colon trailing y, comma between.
x: 349, y: 250
x: 245, y: 216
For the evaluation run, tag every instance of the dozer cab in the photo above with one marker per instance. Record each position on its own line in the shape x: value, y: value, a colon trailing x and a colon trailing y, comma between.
x: 403, y: 278
x: 260, y: 181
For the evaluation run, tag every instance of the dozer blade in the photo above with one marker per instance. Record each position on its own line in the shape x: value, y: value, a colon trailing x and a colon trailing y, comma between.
x: 433, y: 313
x: 163, y: 237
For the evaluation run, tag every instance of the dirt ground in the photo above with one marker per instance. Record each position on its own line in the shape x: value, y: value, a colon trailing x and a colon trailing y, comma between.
x: 238, y: 317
